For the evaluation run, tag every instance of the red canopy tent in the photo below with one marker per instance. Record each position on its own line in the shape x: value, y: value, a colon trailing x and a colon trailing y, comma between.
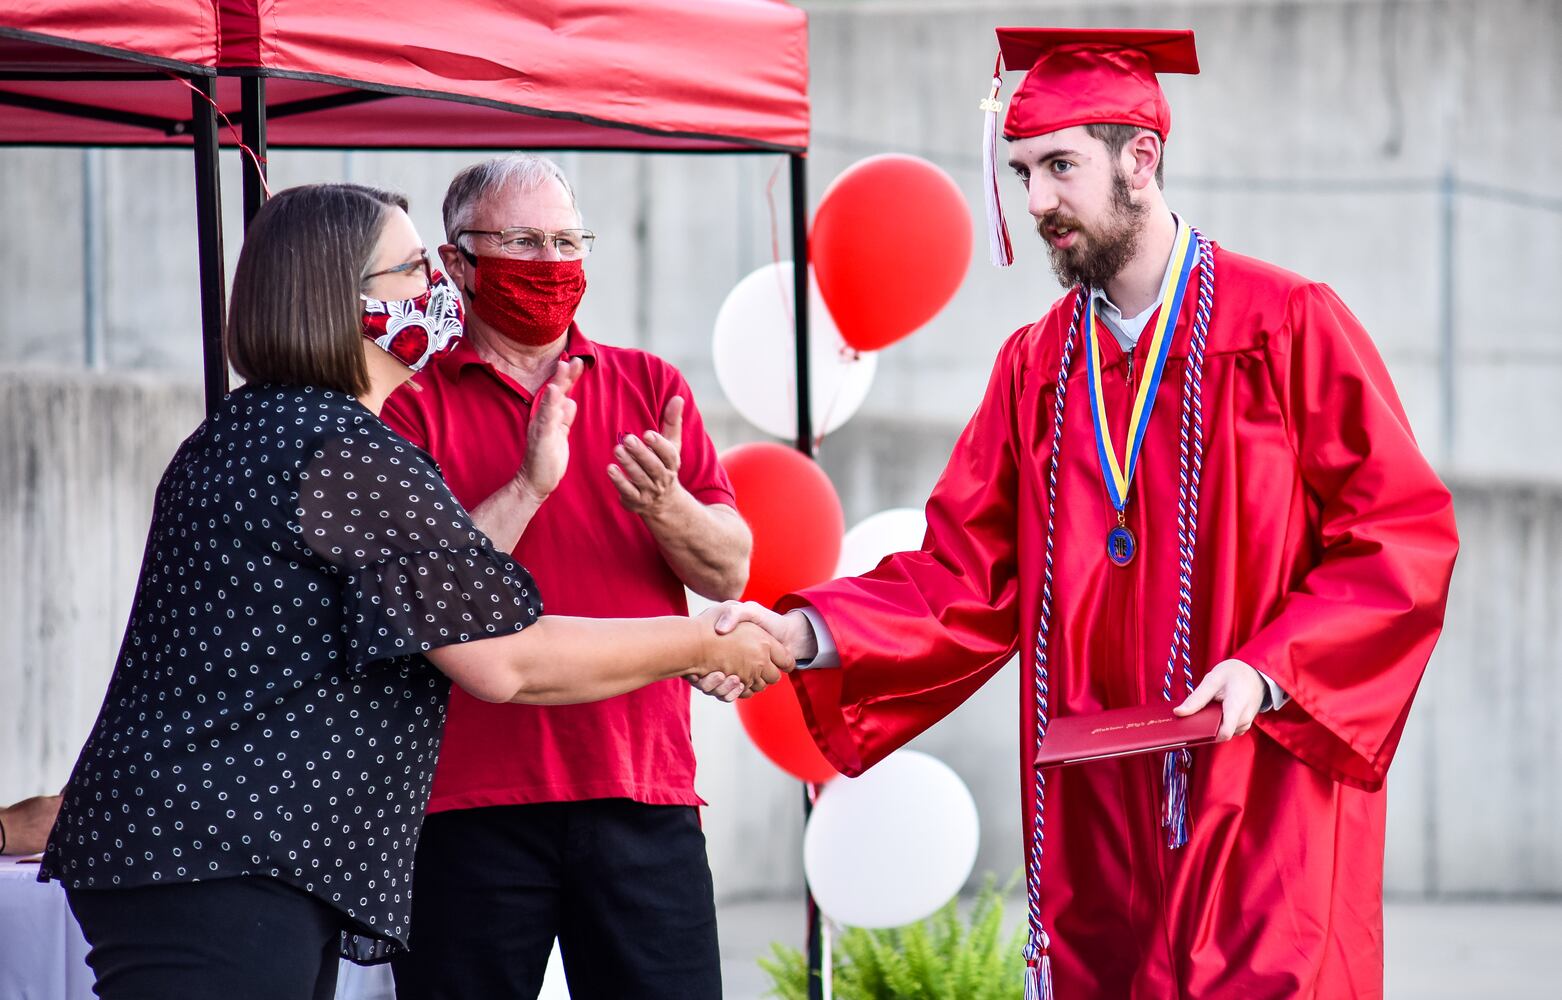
x: 728, y: 76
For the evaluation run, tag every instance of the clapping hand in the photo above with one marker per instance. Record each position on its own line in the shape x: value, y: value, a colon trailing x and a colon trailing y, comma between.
x: 646, y: 471
x: 547, y: 434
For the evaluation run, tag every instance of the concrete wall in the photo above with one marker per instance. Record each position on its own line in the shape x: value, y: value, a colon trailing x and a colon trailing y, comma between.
x: 1475, y: 796
x: 80, y: 459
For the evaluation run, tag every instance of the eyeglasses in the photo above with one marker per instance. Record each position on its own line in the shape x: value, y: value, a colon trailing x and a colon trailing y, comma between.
x: 531, y: 244
x: 410, y: 267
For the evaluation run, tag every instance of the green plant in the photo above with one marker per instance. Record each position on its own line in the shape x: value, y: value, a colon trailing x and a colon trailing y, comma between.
x: 940, y: 958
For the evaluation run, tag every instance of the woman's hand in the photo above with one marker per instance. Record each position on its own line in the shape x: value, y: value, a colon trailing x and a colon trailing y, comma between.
x: 717, y: 684
x: 748, y: 653
x: 792, y: 630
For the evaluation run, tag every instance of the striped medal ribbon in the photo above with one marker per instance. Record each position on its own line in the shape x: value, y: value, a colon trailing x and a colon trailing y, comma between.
x: 1120, y: 542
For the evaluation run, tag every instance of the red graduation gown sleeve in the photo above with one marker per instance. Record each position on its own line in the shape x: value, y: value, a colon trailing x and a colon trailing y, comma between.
x: 927, y: 628
x: 1350, y: 639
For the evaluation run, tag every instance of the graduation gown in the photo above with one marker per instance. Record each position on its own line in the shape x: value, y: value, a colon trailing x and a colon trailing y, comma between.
x: 1324, y: 552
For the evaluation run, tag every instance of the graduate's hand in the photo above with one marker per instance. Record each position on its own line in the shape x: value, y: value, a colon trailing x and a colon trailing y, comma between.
x: 646, y: 473
x: 547, y: 435
x: 792, y: 631
x: 1240, y: 691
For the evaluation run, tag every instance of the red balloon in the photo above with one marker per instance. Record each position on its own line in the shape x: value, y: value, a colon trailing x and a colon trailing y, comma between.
x: 774, y: 721
x: 794, y: 513
x: 891, y: 243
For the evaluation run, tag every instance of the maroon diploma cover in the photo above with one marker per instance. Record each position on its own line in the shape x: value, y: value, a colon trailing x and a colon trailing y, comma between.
x: 1121, y: 731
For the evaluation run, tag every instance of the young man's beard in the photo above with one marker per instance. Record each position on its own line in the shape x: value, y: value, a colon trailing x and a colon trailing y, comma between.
x: 1097, y: 254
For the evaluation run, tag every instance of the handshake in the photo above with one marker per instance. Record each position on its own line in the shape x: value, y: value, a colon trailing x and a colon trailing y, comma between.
x: 749, y: 648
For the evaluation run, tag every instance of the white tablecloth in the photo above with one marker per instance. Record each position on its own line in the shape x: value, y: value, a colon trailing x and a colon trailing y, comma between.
x: 44, y: 957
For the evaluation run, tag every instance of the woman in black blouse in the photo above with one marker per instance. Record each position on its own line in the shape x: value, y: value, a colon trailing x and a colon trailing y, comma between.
x: 247, y: 805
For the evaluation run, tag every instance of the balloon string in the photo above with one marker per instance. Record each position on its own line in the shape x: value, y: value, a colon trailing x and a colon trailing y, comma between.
x: 238, y: 139
x: 775, y: 249
x: 775, y: 220
x: 785, y: 294
x: 835, y: 398
x: 821, y: 419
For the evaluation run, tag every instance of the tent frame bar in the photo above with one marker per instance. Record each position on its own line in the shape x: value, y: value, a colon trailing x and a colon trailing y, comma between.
x: 167, y: 126
x: 327, y: 102
x: 798, y: 178
x: 208, y: 228
x: 252, y: 128
x: 799, y: 192
x: 78, y: 76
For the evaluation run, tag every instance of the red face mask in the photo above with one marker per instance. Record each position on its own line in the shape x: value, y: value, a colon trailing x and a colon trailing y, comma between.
x: 416, y: 331
x: 529, y: 301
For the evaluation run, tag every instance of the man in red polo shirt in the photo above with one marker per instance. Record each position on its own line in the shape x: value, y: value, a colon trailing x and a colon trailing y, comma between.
x: 577, y: 822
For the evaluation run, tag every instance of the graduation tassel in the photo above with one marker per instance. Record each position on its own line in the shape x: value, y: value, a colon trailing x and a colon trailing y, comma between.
x: 998, y: 245
x: 1038, y: 970
x: 1175, y: 774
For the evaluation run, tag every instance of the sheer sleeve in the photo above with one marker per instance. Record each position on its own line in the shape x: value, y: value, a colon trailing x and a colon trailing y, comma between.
x: 415, y: 573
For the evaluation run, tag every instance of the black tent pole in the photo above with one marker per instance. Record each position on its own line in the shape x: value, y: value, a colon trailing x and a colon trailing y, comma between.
x: 805, y: 444
x: 805, y: 423
x: 252, y: 126
x: 208, y: 228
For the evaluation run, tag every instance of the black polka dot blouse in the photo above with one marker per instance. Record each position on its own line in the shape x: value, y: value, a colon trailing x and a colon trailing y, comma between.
x: 270, y: 712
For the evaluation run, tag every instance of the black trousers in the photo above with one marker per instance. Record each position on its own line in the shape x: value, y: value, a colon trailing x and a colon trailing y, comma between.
x: 625, y: 887
x: 230, y: 939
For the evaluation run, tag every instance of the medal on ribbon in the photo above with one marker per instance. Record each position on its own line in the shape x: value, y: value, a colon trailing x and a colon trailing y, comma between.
x: 1121, y: 545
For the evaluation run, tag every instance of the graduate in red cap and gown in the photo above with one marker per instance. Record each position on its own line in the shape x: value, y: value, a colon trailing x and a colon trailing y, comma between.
x: 1190, y: 481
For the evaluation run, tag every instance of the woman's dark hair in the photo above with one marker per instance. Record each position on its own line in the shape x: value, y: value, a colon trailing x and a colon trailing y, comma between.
x: 295, y: 315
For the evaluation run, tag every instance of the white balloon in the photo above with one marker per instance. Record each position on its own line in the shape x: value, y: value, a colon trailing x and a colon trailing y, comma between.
x: 892, y: 846
x: 899, y: 529
x: 754, y: 347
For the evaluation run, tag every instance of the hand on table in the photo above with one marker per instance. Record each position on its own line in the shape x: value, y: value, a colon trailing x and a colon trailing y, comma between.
x: 1240, y: 691
x: 28, y: 822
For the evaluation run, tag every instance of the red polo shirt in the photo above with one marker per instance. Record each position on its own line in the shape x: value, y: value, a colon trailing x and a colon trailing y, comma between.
x: 590, y: 557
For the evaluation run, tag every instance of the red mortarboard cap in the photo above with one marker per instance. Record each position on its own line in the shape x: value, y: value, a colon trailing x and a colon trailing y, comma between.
x: 1080, y: 76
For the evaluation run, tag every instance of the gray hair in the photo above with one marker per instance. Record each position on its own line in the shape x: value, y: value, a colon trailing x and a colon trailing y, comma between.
x: 483, y: 180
